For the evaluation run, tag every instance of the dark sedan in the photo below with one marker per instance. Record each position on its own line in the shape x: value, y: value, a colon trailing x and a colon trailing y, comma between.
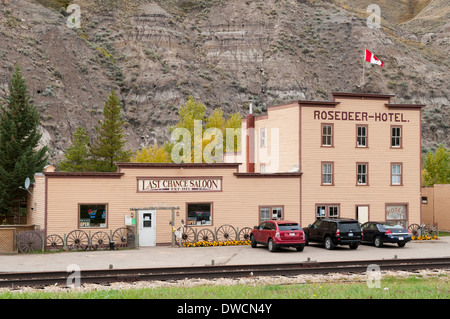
x: 379, y: 233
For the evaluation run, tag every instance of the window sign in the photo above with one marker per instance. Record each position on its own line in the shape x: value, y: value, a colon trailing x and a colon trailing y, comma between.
x: 397, y: 214
x: 93, y: 215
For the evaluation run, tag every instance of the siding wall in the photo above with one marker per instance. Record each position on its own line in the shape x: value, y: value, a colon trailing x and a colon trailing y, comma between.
x: 237, y: 205
x: 345, y: 155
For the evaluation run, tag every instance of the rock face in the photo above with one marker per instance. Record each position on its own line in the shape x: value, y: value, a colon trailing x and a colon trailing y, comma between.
x: 224, y: 53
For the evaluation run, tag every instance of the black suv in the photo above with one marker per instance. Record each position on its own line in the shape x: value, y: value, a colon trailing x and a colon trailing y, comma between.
x: 334, y: 232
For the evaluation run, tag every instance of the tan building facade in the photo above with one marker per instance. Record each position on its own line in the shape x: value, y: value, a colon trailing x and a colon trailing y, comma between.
x: 359, y: 155
x: 207, y: 195
x: 435, y: 203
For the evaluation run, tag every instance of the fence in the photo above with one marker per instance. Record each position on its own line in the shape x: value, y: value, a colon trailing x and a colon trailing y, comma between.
x: 33, y: 240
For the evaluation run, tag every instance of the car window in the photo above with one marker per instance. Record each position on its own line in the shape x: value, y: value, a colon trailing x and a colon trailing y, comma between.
x: 387, y: 226
x: 291, y: 226
x: 349, y: 227
x: 317, y: 223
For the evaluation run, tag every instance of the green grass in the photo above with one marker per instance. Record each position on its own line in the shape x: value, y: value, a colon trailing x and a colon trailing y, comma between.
x: 414, y: 287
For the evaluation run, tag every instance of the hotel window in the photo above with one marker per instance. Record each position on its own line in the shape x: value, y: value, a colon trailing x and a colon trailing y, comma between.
x: 262, y: 137
x: 361, y: 135
x: 93, y: 215
x: 199, y: 214
x: 327, y: 211
x: 270, y: 213
x: 362, y: 174
x: 396, y: 174
x: 327, y: 135
x: 396, y: 136
x: 397, y: 214
x: 327, y: 173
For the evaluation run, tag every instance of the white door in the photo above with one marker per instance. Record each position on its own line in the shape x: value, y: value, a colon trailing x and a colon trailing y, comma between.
x: 147, y: 228
x: 362, y: 214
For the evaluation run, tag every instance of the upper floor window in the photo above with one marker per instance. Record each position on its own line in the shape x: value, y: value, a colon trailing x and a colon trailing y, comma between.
x: 327, y: 173
x: 362, y: 174
x: 361, y: 135
x: 262, y: 137
x: 327, y: 134
x: 396, y: 136
x: 396, y: 174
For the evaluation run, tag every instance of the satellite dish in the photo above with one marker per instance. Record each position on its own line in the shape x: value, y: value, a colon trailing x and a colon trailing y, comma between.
x: 27, y: 183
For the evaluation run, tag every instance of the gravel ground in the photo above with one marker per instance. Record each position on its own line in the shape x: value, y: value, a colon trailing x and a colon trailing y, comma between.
x: 255, y: 281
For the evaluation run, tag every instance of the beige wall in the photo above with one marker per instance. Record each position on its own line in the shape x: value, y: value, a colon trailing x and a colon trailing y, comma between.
x: 281, y: 151
x: 344, y: 114
x: 345, y: 155
x: 237, y: 204
x: 36, y: 202
x: 436, y: 208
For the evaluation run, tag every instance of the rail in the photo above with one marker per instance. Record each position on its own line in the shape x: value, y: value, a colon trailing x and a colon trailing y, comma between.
x: 40, y: 279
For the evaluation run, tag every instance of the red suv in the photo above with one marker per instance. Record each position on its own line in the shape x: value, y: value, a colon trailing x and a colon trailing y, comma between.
x: 278, y: 233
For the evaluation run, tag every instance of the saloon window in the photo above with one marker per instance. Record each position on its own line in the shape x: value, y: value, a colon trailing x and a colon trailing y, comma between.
x: 199, y: 214
x: 93, y: 215
x: 270, y: 213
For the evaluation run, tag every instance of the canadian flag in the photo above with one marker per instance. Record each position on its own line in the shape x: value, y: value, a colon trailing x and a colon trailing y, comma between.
x: 372, y: 58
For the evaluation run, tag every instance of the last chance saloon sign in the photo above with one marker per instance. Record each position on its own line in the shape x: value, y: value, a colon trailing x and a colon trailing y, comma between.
x: 187, y: 184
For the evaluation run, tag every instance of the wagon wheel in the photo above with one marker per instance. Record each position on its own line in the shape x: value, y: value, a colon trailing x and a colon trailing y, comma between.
x: 123, y: 237
x: 226, y: 233
x: 205, y: 235
x: 54, y: 243
x: 414, y: 228
x: 244, y: 233
x: 430, y: 228
x: 100, y: 239
x: 29, y: 241
x: 77, y: 239
x: 188, y: 235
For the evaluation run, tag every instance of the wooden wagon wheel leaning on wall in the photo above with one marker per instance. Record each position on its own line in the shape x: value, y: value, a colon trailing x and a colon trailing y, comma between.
x: 54, y: 243
x: 123, y: 237
x: 226, y: 233
x: 29, y: 241
x: 244, y: 233
x: 205, y: 235
x: 187, y: 235
x: 76, y: 240
x: 100, y: 240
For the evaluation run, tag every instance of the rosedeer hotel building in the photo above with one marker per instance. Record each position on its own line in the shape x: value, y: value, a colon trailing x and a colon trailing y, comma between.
x: 357, y: 156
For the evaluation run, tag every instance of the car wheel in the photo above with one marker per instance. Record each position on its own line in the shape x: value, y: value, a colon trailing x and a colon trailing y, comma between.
x: 252, y: 241
x: 353, y: 246
x: 300, y: 248
x: 329, y: 243
x: 401, y: 244
x: 378, y: 242
x: 271, y: 245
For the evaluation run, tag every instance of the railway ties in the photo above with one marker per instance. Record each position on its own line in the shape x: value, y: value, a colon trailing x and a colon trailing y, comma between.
x: 40, y: 279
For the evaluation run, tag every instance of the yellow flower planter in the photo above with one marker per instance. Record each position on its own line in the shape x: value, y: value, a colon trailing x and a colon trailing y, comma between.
x: 217, y: 243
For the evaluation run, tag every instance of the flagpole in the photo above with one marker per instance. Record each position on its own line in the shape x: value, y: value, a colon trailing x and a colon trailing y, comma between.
x: 364, y: 69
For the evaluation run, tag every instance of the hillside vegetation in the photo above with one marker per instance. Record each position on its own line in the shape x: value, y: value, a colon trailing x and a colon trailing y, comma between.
x: 224, y: 53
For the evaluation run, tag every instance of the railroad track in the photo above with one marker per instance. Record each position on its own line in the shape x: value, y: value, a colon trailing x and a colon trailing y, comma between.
x: 41, y: 279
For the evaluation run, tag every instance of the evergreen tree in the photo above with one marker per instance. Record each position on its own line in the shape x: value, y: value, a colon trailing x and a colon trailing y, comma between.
x: 107, y: 149
x: 19, y: 138
x: 77, y: 157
